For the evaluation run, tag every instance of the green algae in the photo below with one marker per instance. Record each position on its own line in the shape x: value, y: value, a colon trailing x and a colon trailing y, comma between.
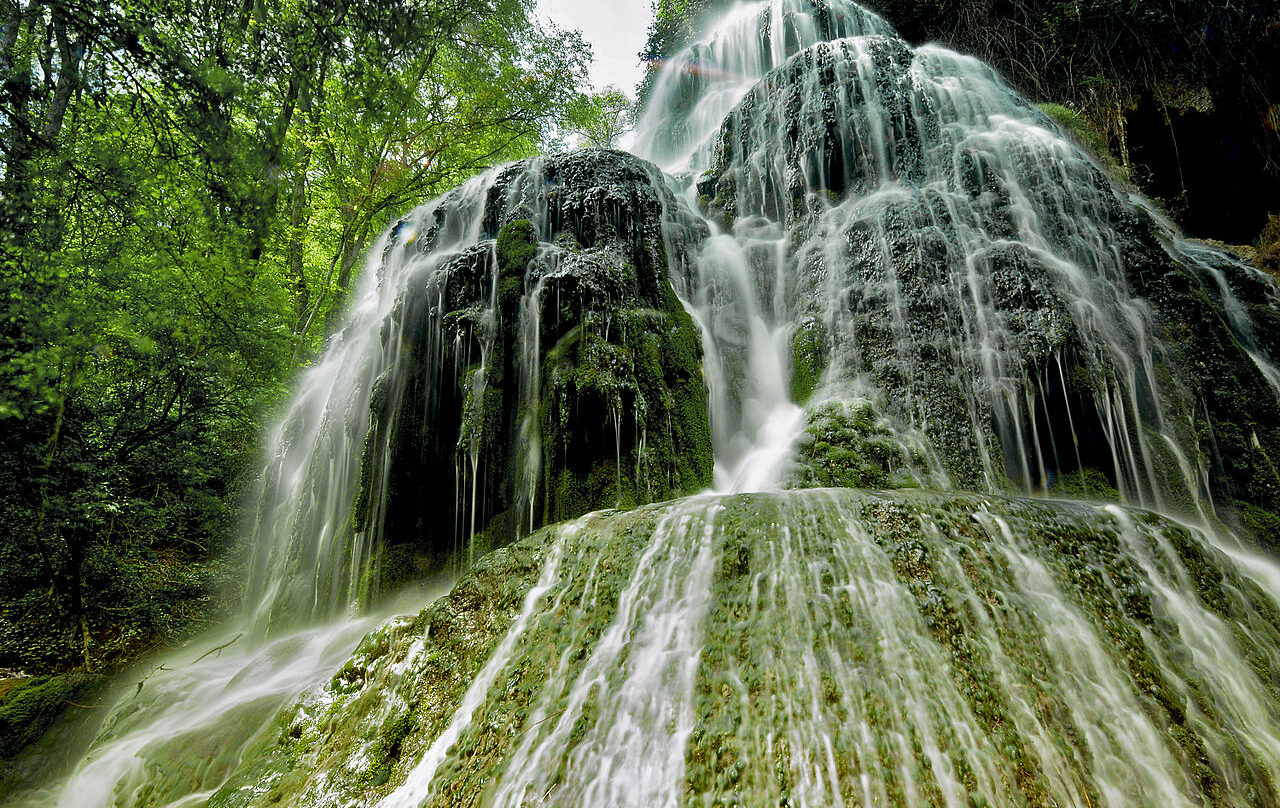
x: 29, y: 707
x: 808, y: 360
x: 934, y: 671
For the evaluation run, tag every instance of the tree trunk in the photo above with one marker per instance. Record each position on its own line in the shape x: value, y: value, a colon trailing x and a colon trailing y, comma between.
x: 70, y: 52
x: 350, y: 255
x: 299, y: 216
x: 76, y: 548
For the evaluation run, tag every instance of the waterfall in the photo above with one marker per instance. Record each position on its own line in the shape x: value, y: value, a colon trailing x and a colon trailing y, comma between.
x: 697, y: 87
x: 309, y: 550
x: 429, y: 411
x: 835, y: 262
x: 899, y: 226
x: 825, y: 647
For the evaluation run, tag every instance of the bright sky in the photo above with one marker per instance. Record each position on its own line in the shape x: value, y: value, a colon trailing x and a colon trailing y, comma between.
x: 616, y: 29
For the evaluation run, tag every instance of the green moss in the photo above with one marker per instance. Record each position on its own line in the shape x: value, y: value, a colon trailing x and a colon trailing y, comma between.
x: 827, y: 576
x: 681, y: 353
x: 500, y: 531
x: 1263, y: 524
x: 1267, y: 466
x: 1086, y: 133
x: 846, y: 445
x: 386, y: 748
x: 517, y: 245
x: 808, y: 360
x: 1084, y: 483
x: 30, y: 707
x: 625, y: 418
x: 1237, y: 419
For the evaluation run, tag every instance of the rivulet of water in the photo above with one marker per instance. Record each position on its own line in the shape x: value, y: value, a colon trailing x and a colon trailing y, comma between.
x: 953, y: 257
x: 834, y: 647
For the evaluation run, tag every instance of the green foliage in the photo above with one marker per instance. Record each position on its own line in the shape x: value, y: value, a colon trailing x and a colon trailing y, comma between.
x: 185, y: 192
x: 674, y: 24
x: 601, y: 119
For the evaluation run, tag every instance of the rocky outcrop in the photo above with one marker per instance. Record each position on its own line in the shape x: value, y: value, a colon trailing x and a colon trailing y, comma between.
x: 29, y: 707
x: 548, y: 370
x: 983, y: 282
x: 794, y: 648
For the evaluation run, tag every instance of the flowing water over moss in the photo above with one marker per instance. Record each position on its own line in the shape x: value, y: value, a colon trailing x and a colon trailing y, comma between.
x: 516, y: 356
x: 816, y: 647
x: 896, y: 225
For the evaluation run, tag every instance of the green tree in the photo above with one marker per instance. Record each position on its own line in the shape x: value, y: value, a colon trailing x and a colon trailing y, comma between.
x: 185, y: 191
x: 602, y: 119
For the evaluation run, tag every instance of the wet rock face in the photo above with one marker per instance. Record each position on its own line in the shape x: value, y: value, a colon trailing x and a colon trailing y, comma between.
x: 548, y: 370
x: 805, y: 122
x: 807, y: 648
x: 977, y: 276
x: 595, y: 199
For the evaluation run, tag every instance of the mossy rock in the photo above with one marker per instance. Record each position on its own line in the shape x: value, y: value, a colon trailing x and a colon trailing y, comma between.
x: 517, y: 245
x: 914, y: 643
x: 28, y: 707
x: 808, y: 360
x: 1085, y: 483
x: 546, y: 371
x: 848, y: 444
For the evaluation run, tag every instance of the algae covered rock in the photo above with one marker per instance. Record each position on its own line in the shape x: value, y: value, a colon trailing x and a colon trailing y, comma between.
x: 847, y: 444
x: 546, y: 370
x: 953, y: 255
x: 39, y: 716
x: 809, y: 647
x: 29, y: 706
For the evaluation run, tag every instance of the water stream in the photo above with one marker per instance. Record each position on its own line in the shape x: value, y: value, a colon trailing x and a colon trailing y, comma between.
x: 836, y: 647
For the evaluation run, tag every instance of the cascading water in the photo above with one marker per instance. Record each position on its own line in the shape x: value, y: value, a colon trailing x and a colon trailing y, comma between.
x: 309, y: 556
x: 702, y: 83
x: 900, y: 224
x: 817, y: 648
x: 439, y: 373
x: 903, y: 276
x: 180, y: 725
x: 738, y: 292
x: 309, y: 551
